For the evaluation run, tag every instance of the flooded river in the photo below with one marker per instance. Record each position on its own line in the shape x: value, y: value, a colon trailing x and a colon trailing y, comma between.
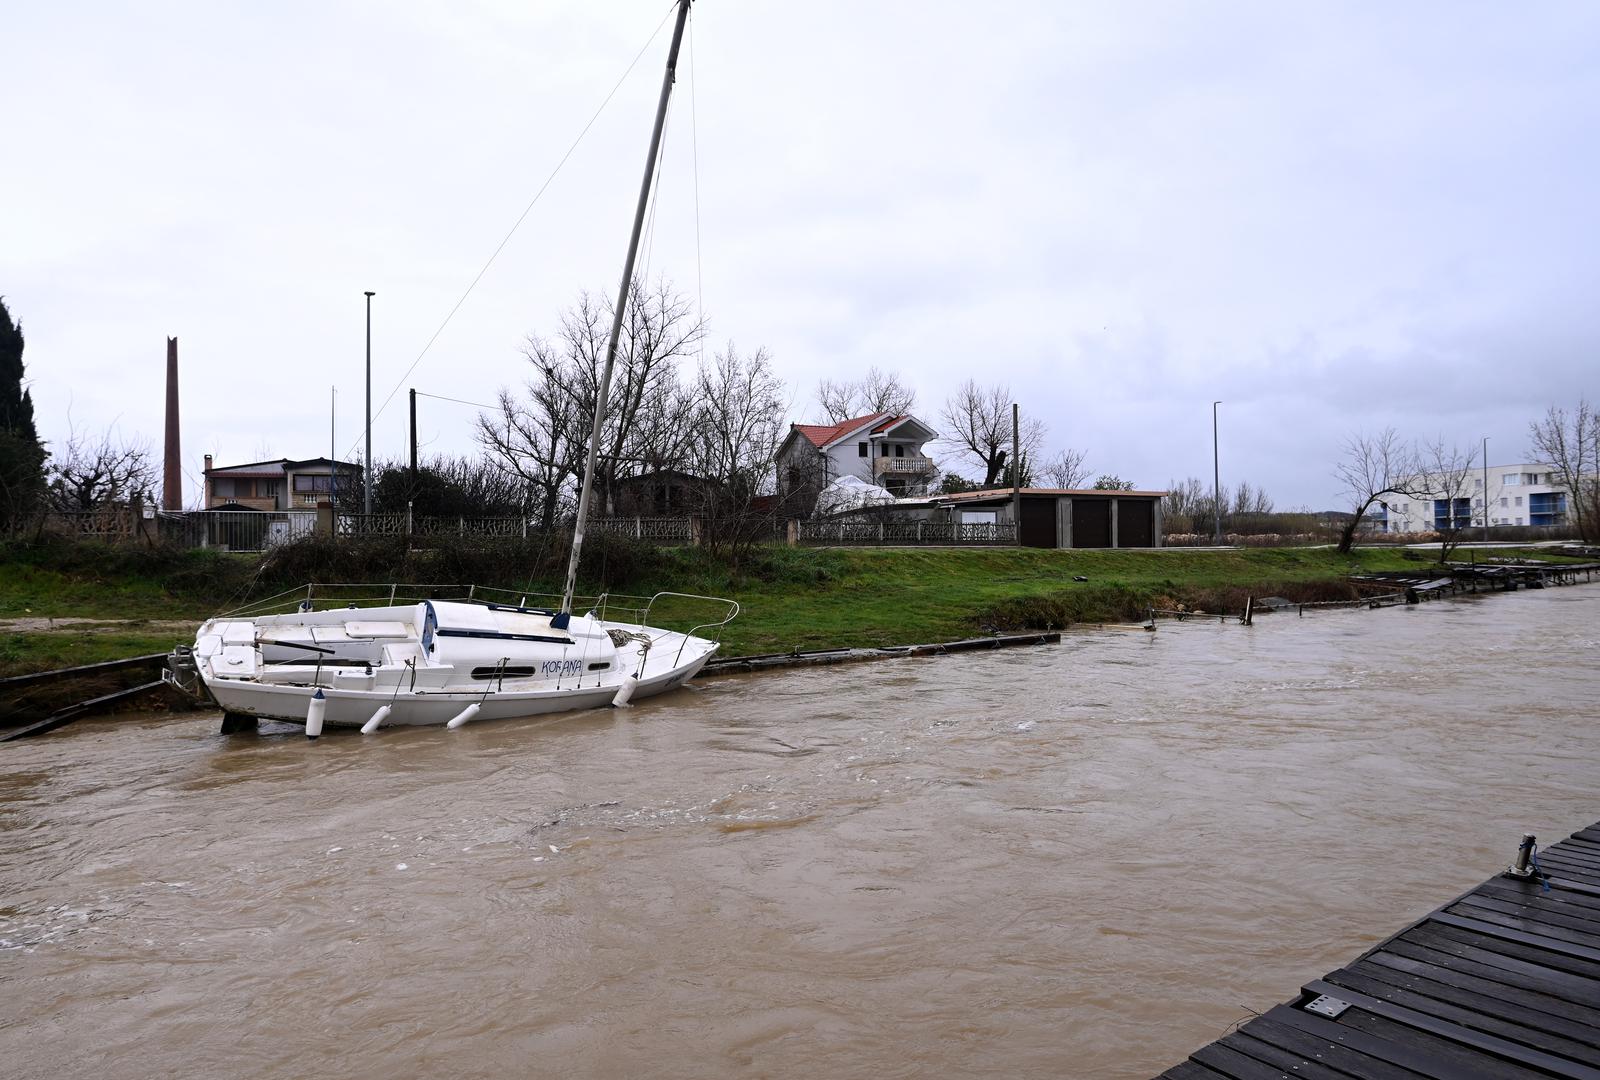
x: 1083, y: 860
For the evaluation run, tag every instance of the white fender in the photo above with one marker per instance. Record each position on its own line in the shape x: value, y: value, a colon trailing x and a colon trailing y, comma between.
x: 463, y: 716
x: 314, y: 715
x: 377, y: 718
x: 625, y: 692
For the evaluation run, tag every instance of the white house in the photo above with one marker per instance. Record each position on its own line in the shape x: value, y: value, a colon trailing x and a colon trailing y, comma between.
x: 881, y: 448
x: 1526, y: 494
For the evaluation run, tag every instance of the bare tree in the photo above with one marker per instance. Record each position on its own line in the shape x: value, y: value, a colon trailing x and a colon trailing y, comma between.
x: 977, y: 423
x: 875, y: 392
x: 1570, y: 442
x: 93, y: 473
x: 1251, y: 500
x: 739, y: 425
x: 537, y: 441
x: 1065, y: 469
x: 545, y: 440
x: 1372, y: 467
x: 1445, y: 474
x: 1185, y: 505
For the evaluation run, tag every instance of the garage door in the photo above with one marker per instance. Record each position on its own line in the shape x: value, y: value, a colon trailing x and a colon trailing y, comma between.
x: 1038, y: 522
x: 1091, y: 523
x: 1136, y: 523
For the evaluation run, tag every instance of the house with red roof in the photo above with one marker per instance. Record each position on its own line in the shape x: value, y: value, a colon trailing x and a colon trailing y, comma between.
x: 885, y: 449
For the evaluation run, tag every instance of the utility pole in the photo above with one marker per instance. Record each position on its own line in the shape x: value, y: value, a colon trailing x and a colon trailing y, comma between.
x: 1016, y: 472
x: 413, y: 485
x: 366, y: 471
x: 333, y: 450
x: 413, y: 437
x: 1216, y: 478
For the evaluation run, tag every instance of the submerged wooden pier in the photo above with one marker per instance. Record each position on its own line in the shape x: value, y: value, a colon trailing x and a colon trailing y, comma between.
x: 1501, y: 982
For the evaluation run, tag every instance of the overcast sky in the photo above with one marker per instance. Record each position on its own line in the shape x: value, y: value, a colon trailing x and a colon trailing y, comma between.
x: 1332, y: 216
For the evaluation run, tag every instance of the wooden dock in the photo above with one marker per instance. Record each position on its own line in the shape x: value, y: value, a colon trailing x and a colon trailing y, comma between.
x: 1503, y: 982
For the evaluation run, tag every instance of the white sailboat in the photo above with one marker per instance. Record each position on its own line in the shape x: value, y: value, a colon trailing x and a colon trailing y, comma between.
x: 450, y: 661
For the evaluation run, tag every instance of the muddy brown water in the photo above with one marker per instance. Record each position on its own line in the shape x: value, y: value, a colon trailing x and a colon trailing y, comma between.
x: 1082, y: 860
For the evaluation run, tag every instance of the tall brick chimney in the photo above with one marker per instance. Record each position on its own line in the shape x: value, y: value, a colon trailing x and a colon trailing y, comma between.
x: 172, y: 470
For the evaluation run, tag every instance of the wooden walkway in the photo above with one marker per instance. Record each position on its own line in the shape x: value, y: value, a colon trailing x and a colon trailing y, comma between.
x: 1503, y: 982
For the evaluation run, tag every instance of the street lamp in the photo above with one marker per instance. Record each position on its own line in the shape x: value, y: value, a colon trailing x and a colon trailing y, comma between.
x: 366, y: 471
x: 1216, y: 478
x: 1486, y: 487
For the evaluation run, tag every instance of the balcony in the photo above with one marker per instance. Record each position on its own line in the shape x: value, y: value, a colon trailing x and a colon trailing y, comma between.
x: 254, y: 502
x: 903, y: 466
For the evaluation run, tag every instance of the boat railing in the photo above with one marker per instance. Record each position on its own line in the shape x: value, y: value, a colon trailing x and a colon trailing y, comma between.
x: 728, y: 611
x: 607, y: 606
x: 354, y: 593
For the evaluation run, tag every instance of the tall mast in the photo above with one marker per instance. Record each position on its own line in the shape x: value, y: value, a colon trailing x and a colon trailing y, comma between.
x: 622, y: 307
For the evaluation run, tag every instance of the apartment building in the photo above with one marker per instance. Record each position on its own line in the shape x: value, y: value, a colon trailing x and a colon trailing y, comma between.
x: 1525, y: 494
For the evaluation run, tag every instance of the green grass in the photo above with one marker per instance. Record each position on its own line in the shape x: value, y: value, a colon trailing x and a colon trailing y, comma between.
x: 900, y: 596
x: 792, y: 598
x: 47, y: 650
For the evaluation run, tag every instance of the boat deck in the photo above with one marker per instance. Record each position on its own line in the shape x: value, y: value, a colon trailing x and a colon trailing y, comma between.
x: 1502, y: 982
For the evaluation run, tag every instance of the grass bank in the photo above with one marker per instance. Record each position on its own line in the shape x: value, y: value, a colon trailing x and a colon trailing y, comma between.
x: 141, y: 600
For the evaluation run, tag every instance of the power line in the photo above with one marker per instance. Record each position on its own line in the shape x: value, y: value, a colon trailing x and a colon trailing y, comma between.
x: 458, y: 401
x: 526, y: 210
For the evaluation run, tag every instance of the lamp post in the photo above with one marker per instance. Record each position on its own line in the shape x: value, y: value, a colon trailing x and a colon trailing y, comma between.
x: 1216, y: 478
x: 366, y: 471
x: 1486, y: 487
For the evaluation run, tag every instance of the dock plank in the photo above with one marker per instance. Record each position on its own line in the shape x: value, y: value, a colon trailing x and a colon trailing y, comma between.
x: 1489, y: 949
x: 1190, y: 1070
x: 1515, y: 974
x: 1231, y: 1063
x: 1532, y: 910
x: 1337, y: 1055
x: 1586, y: 1018
x: 1502, y: 981
x: 1468, y: 1011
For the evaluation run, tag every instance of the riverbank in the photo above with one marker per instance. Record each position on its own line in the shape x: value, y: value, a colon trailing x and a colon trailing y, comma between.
x: 62, y: 605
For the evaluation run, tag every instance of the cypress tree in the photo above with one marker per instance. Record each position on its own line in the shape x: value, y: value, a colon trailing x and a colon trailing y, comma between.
x: 22, y: 456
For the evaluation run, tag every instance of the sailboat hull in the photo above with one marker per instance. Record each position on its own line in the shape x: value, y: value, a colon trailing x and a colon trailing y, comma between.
x: 431, y: 663
x: 353, y: 708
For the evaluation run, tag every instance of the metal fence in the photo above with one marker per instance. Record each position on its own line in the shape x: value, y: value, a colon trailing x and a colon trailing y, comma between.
x: 656, y: 530
x: 229, y: 530
x: 234, y: 530
x: 906, y: 532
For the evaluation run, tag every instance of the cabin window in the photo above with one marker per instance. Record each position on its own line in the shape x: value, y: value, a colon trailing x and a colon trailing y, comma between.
x: 861, y: 449
x: 510, y: 672
x: 605, y: 666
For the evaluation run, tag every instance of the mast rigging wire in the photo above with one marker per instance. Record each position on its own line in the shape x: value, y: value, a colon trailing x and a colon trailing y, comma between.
x: 520, y: 218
